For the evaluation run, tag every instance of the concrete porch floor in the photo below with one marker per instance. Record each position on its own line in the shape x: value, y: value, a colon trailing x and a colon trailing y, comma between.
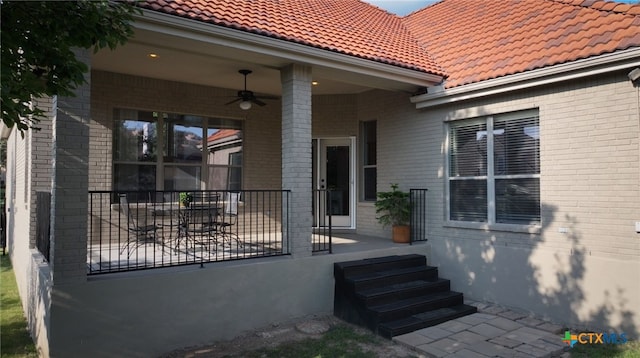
x: 347, y: 242
x: 112, y: 258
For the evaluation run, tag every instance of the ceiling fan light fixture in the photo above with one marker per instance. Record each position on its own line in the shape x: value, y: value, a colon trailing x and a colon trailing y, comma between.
x: 245, y: 105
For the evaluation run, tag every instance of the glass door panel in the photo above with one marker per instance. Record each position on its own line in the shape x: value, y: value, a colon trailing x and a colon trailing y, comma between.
x: 333, y: 170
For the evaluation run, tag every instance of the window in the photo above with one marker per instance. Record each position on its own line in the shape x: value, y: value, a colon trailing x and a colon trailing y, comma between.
x: 369, y: 170
x: 494, y: 169
x: 135, y: 145
x: 168, y: 151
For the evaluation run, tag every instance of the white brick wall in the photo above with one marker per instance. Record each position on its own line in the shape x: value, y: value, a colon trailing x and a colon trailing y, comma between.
x: 590, y: 185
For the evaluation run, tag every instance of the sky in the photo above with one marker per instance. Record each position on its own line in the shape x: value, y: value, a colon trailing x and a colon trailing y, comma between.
x: 401, y: 7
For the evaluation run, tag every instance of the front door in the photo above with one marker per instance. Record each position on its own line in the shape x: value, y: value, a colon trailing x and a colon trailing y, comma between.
x: 334, y: 171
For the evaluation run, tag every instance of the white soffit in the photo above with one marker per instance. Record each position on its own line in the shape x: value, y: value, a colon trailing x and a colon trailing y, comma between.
x: 278, y: 53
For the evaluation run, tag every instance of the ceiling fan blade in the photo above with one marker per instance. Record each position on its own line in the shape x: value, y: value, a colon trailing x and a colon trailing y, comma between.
x: 234, y: 101
x: 268, y: 97
x: 258, y: 102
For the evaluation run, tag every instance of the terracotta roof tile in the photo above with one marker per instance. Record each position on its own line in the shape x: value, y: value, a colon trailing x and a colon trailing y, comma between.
x: 350, y: 27
x: 479, y: 40
x: 468, y: 39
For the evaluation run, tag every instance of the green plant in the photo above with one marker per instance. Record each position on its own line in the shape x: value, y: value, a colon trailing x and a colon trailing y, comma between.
x: 631, y: 349
x: 37, y: 54
x: 15, y: 341
x: 393, y: 206
x: 186, y: 198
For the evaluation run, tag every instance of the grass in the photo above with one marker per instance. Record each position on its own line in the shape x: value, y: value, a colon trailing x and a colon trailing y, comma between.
x: 14, y: 338
x: 339, y: 341
x: 630, y: 349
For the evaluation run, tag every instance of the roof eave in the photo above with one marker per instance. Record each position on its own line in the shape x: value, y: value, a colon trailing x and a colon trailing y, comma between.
x: 286, y: 50
x: 567, y: 71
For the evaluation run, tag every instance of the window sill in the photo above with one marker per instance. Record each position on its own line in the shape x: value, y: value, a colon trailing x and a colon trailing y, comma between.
x: 525, y: 229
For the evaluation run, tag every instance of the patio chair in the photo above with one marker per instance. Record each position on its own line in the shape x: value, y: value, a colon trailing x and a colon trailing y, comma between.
x: 197, y: 223
x: 230, y: 219
x: 137, y: 235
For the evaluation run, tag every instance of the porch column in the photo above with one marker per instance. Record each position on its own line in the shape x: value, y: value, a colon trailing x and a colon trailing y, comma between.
x: 70, y: 184
x: 296, y: 154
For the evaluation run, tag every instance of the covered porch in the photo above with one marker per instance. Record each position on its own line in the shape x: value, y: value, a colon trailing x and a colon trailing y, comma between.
x: 151, y: 124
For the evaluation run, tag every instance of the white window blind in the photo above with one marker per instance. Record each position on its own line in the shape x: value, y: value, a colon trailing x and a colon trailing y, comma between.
x: 494, y: 169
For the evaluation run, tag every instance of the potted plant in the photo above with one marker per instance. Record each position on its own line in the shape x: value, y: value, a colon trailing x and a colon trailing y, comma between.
x: 185, y: 199
x: 394, y: 209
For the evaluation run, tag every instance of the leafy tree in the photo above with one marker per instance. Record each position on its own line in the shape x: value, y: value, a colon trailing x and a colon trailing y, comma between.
x: 38, y: 38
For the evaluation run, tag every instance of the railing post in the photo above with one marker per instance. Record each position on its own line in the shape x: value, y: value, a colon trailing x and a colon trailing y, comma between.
x: 418, y: 218
x: 330, y: 226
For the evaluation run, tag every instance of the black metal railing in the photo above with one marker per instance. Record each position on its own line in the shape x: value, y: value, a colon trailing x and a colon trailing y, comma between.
x: 143, y: 230
x: 322, y: 225
x: 418, y: 224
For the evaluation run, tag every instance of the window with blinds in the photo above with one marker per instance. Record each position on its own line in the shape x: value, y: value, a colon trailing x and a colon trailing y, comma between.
x: 494, y: 169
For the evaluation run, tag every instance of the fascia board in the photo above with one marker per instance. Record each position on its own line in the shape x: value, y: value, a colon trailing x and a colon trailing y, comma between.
x: 573, y: 70
x: 289, y: 51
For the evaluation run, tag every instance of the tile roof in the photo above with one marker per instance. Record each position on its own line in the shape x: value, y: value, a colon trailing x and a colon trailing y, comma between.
x: 222, y: 133
x: 468, y: 40
x: 479, y: 40
x: 350, y: 27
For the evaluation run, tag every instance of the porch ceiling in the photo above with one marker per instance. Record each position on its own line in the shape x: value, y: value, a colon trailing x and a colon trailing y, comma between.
x: 208, y: 58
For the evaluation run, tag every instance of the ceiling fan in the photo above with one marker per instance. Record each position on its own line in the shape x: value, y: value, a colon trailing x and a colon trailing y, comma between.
x: 246, y: 97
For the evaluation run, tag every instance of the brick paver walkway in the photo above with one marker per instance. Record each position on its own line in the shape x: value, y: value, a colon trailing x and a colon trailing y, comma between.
x: 492, y: 332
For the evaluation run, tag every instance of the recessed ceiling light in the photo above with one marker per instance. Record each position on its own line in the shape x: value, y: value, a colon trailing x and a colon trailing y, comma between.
x: 153, y: 55
x: 315, y: 83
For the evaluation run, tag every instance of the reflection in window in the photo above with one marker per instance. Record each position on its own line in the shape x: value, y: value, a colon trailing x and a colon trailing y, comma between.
x: 183, y: 139
x: 135, y: 137
x: 224, y: 158
x: 182, y: 177
x: 166, y: 151
x: 134, y: 177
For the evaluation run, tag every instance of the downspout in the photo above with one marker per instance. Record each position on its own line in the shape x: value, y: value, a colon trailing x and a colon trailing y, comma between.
x: 634, y: 77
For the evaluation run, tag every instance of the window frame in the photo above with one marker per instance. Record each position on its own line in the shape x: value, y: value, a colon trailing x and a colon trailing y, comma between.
x: 160, y: 163
x: 364, y: 149
x: 491, y: 177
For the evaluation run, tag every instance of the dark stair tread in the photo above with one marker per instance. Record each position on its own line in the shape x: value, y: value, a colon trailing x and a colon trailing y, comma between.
x: 390, y: 289
x: 388, y: 273
x: 379, y: 260
x: 412, y: 301
x: 348, y: 268
x: 424, y: 319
